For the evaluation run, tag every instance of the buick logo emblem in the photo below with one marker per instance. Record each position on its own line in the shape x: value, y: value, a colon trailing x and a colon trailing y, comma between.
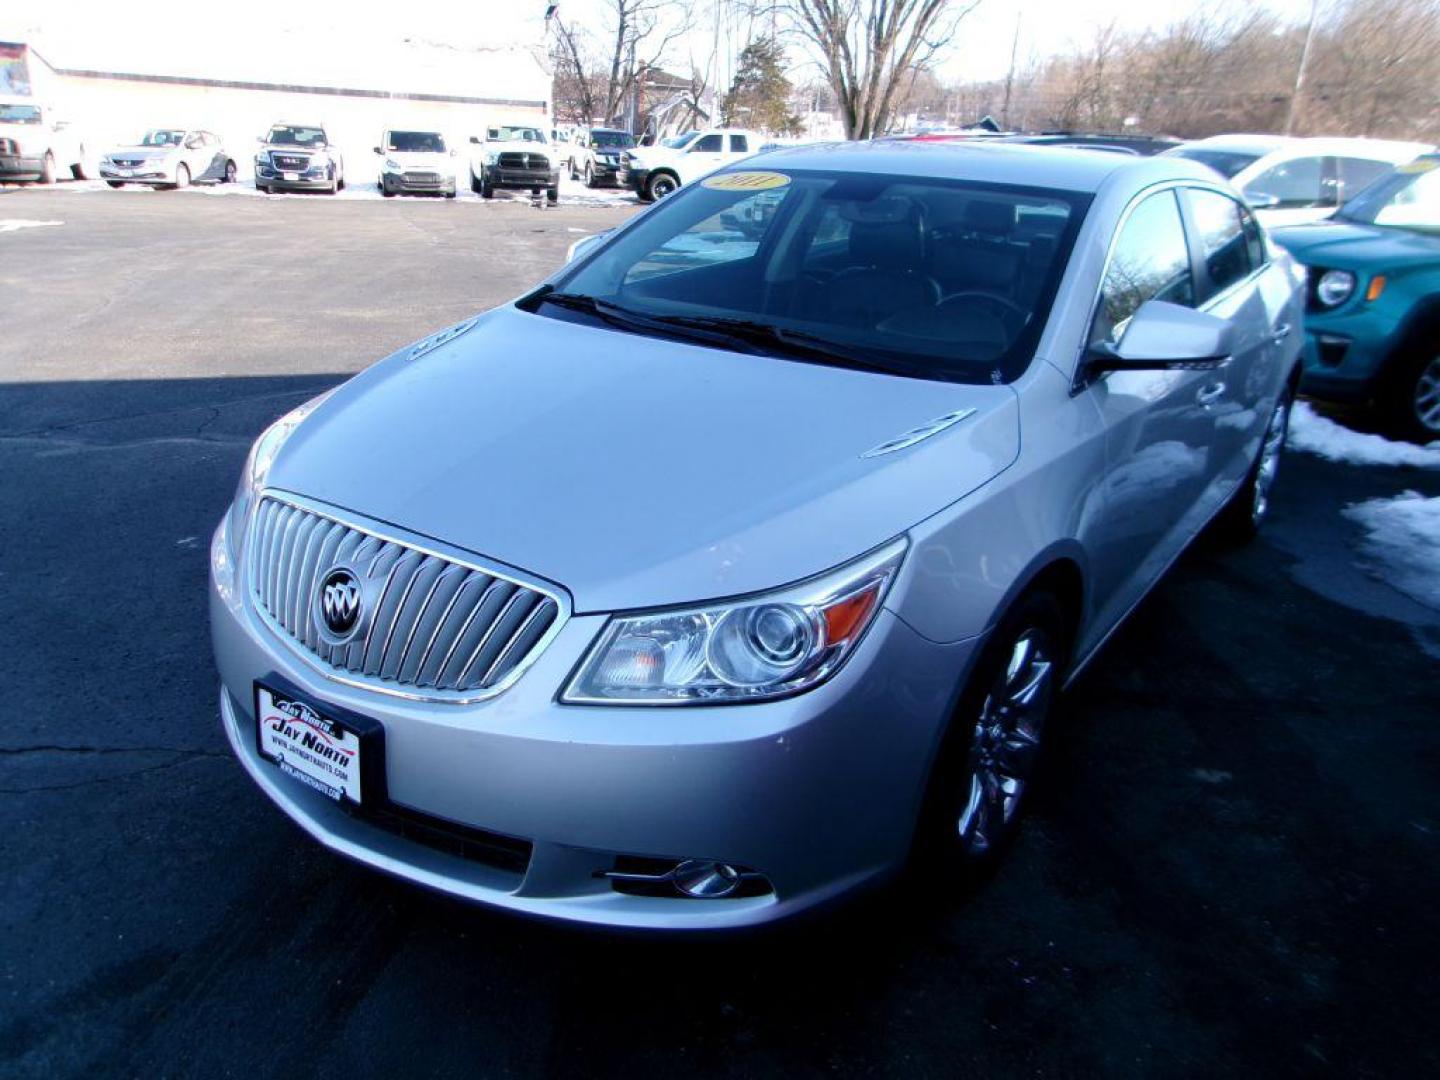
x: 338, y: 604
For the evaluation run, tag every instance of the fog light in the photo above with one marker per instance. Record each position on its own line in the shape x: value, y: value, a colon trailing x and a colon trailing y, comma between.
x: 705, y: 880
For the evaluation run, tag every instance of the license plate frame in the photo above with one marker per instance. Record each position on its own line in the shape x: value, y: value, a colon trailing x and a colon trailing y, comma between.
x: 331, y: 732
x: 290, y: 177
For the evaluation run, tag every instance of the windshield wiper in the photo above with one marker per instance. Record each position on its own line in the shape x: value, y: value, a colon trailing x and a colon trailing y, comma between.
x: 626, y: 319
x: 796, y: 343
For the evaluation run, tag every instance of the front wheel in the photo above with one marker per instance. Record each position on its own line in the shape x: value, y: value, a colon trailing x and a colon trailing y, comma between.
x: 487, y: 189
x: 1248, y: 508
x: 230, y: 172
x: 182, y: 177
x: 987, y: 761
x: 589, y: 176
x: 1412, y: 398
x: 79, y: 170
x: 116, y: 183
x: 552, y: 196
x: 47, y: 168
x: 661, y: 184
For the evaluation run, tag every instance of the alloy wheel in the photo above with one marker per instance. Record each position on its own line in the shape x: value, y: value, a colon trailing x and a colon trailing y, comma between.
x: 1426, y: 400
x: 1006, y: 742
x: 1269, y: 463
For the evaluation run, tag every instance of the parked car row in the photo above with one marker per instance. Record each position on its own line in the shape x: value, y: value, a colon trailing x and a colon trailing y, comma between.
x: 38, y: 145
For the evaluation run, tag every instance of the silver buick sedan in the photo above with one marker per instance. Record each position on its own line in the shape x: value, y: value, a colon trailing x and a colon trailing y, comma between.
x: 741, y: 563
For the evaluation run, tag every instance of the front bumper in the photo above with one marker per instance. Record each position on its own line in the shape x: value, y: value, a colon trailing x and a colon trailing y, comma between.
x: 306, y: 181
x: 521, y: 178
x: 1346, y: 352
x: 412, y: 185
x: 818, y: 792
x: 137, y: 175
x: 634, y: 179
x: 15, y: 167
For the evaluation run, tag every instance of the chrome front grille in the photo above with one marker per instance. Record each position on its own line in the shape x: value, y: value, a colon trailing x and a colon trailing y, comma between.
x: 291, y: 162
x: 431, y: 627
x: 513, y: 160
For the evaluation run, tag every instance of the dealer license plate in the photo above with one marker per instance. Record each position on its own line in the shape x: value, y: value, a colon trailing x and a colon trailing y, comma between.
x: 307, y: 745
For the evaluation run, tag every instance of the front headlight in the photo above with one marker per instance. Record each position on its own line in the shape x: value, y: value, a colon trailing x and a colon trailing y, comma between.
x: 1334, y: 287
x: 262, y: 456
x: 751, y: 649
x: 392, y: 164
x: 491, y: 157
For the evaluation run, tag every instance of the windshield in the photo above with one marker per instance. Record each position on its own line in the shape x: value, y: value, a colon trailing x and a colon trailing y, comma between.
x: 1408, y: 198
x: 933, y: 278
x: 415, y: 142
x: 506, y: 133
x: 612, y: 140
x: 679, y: 142
x: 20, y: 114
x: 165, y: 137
x: 1226, y: 162
x: 284, y: 135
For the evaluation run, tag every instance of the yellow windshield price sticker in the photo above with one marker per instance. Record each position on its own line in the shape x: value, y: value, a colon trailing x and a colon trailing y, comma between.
x: 1421, y: 166
x: 745, y: 181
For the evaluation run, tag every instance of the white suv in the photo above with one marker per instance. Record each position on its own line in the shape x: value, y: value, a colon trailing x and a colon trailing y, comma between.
x: 656, y: 171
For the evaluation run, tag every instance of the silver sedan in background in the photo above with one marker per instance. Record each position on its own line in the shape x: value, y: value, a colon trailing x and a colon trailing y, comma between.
x: 742, y: 562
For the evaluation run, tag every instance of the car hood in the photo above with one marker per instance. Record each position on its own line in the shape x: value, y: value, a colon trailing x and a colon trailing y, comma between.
x: 416, y: 159
x: 637, y: 471
x: 1352, y: 246
x: 145, y: 151
x: 508, y: 146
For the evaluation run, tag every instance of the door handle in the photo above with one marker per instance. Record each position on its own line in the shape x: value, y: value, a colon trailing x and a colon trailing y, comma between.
x: 1209, y: 395
x: 1280, y: 333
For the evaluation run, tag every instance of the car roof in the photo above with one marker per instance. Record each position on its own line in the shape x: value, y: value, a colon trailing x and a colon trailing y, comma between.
x: 987, y: 161
x: 1242, y: 143
x: 1388, y: 148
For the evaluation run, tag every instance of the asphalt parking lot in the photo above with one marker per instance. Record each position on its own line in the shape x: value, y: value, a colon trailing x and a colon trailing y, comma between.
x: 1231, y: 869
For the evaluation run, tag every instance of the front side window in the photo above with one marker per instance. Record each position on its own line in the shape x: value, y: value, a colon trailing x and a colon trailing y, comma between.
x: 680, y: 142
x: 1356, y: 174
x: 1150, y: 261
x: 19, y: 114
x: 415, y: 142
x: 1221, y: 235
x: 1291, y: 185
x: 709, y: 144
x: 930, y: 278
x: 162, y: 138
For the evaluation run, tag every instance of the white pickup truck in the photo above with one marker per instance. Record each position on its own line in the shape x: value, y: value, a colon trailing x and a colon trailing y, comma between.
x: 656, y: 171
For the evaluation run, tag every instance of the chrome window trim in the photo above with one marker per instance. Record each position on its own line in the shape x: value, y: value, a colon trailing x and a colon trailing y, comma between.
x: 1076, y: 386
x: 417, y: 542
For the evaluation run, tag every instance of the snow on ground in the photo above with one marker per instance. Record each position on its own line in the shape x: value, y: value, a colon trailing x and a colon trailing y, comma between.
x: 572, y: 192
x: 15, y: 224
x: 1402, y: 543
x: 1319, y: 435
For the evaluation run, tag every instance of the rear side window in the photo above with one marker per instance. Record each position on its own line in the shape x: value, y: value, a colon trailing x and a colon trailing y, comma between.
x: 739, y: 144
x: 1220, y: 232
x: 1357, y: 173
x: 1150, y: 261
x: 1291, y: 185
x: 710, y: 144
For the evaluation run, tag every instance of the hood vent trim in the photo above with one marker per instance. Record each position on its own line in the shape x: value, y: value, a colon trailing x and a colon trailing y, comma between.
x: 919, y: 434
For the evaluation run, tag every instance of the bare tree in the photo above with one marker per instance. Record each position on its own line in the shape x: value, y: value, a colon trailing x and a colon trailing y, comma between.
x: 870, y: 49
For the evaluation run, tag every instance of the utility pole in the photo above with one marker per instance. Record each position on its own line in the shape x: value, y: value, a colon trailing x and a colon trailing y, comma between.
x: 1300, y: 71
x: 1010, y: 76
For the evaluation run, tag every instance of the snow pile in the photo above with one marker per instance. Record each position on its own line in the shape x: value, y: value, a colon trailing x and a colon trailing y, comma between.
x: 14, y: 224
x: 1319, y: 435
x: 1402, y: 542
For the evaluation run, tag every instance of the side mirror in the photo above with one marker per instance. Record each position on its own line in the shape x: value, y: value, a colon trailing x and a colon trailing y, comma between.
x: 1166, y: 337
x: 376, y: 149
x: 475, y: 139
x: 585, y: 245
x: 260, y: 139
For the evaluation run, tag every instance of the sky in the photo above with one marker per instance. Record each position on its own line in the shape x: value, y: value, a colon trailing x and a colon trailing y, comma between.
x: 77, y: 29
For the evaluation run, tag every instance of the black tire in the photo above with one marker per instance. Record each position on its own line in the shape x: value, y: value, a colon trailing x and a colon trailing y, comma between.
x: 487, y: 189
x: 660, y: 185
x: 47, y: 168
x: 78, y: 171
x: 574, y: 172
x: 182, y: 177
x: 385, y: 190
x: 1242, y: 517
x: 228, y: 177
x: 340, y: 180
x: 1410, y: 396
x: 589, y: 176
x: 474, y: 183
x: 450, y: 194
x: 552, y: 195
x: 262, y: 188
x: 116, y: 183
x: 992, y: 738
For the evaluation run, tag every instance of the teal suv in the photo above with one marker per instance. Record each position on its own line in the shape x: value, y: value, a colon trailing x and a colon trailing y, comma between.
x: 1372, y: 321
